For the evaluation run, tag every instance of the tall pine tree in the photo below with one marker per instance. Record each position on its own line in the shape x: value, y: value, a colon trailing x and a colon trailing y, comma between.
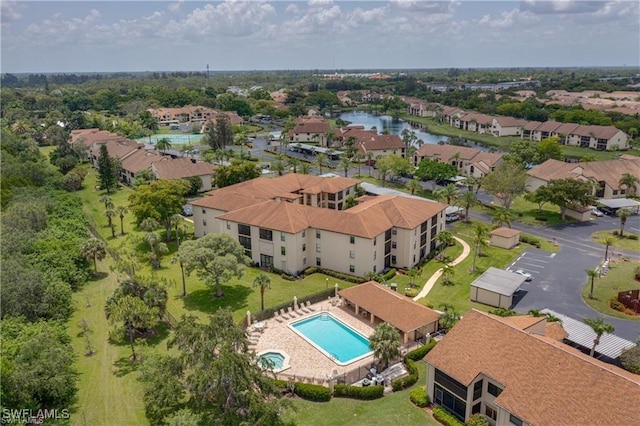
x: 107, y: 169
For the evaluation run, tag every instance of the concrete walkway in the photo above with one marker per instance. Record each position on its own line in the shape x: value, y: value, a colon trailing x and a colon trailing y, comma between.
x: 431, y: 281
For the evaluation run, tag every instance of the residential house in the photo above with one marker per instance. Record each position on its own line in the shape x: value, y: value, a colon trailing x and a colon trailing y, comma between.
x: 474, y: 122
x: 598, y: 137
x: 517, y: 371
x: 166, y: 116
x: 605, y: 175
x: 119, y: 148
x: 451, y: 114
x: 310, y: 129
x: 137, y: 162
x: 185, y: 168
x: 369, y: 141
x: 296, y: 221
x: 469, y: 161
x: 550, y: 129
x: 507, y: 126
x: 527, y: 129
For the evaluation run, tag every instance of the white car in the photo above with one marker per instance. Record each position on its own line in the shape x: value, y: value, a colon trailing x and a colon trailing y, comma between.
x: 596, y: 212
x: 524, y: 274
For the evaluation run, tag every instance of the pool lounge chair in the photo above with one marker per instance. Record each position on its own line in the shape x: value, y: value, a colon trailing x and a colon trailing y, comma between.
x: 304, y: 308
x: 277, y: 317
x: 284, y: 315
x: 311, y: 308
x: 291, y: 312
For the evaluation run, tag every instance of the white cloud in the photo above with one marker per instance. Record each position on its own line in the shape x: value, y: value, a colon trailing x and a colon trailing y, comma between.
x: 508, y: 19
x: 10, y: 11
x: 175, y: 7
x: 562, y: 6
x: 443, y: 6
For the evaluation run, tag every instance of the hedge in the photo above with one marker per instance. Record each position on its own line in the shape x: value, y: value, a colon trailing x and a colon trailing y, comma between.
x: 407, y: 381
x: 419, y: 397
x: 358, y: 392
x: 389, y: 274
x: 478, y: 420
x: 419, y: 353
x: 311, y: 392
x: 445, y: 417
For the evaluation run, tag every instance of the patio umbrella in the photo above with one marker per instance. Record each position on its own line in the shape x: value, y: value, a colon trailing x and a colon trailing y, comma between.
x: 248, y: 318
x: 336, y: 287
x: 295, y: 303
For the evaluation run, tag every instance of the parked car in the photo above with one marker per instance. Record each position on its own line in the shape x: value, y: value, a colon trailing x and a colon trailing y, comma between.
x: 187, y: 210
x: 524, y: 274
x: 596, y: 212
x: 452, y: 217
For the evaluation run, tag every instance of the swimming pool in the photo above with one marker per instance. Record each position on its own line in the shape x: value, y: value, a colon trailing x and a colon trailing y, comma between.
x: 273, y: 359
x: 333, y: 338
x: 176, y: 139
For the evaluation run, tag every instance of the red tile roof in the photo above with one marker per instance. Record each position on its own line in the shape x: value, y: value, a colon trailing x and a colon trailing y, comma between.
x: 180, y: 168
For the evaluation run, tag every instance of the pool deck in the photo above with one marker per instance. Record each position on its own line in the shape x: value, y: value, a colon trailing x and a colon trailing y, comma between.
x: 306, y: 362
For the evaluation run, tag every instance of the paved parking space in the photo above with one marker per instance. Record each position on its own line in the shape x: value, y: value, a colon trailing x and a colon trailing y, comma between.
x: 533, y: 262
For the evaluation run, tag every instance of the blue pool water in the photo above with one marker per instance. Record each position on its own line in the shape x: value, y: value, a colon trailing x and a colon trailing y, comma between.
x: 276, y: 360
x: 334, y: 338
x: 176, y: 139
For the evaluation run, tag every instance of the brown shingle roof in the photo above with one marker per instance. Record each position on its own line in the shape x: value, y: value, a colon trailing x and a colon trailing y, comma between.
x: 403, y: 212
x: 180, y: 168
x: 391, y: 307
x: 545, y: 382
x: 446, y: 153
x: 505, y: 232
x: 140, y: 160
x: 510, y: 122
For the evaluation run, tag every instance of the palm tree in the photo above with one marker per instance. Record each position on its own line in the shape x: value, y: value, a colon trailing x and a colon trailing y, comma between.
x: 607, y: 240
x: 629, y: 181
x: 264, y: 282
x: 345, y: 163
x: 592, y: 275
x: 447, y: 274
x: 502, y: 216
x: 294, y: 163
x: 469, y: 182
x: 278, y: 166
x: 445, y: 239
x: 121, y: 211
x: 369, y: 156
x: 623, y: 214
x: 95, y: 249
x: 449, y: 318
x: 305, y: 168
x: 320, y: 161
x: 357, y: 158
x: 449, y: 192
x: 163, y: 144
x: 111, y: 213
x: 414, y: 185
x: 385, y: 343
x: 600, y: 327
x: 479, y: 241
x: 107, y: 201
x: 468, y: 200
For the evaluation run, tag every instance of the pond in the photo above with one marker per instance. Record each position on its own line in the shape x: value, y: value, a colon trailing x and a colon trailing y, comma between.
x: 394, y: 126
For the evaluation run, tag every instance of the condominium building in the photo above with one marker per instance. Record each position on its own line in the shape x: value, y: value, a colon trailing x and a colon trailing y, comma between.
x: 297, y: 221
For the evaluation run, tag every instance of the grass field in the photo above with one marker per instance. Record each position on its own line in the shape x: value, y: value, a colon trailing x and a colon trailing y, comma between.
x: 624, y: 243
x: 620, y: 277
x: 393, y: 409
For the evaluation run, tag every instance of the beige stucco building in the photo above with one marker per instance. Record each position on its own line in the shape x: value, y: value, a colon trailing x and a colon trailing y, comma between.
x: 504, y: 237
x: 296, y: 221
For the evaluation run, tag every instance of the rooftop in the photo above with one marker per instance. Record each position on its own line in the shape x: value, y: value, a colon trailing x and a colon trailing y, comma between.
x: 499, y: 281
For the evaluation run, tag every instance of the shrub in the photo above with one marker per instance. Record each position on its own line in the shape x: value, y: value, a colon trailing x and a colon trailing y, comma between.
x: 630, y: 359
x: 632, y: 237
x: 427, y: 303
x: 616, y: 305
x: 389, y: 274
x: 637, y: 272
x: 407, y: 381
x: 615, y: 232
x: 478, y: 420
x: 411, y: 292
x: 419, y: 353
x: 358, y: 392
x: 419, y: 397
x: 287, y: 277
x: 445, y: 417
x: 310, y: 270
x: 311, y: 392
x: 541, y: 218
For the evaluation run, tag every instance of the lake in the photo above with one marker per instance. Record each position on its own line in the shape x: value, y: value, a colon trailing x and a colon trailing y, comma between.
x: 394, y: 126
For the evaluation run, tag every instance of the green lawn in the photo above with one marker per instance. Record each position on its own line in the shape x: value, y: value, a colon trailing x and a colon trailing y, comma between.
x: 528, y: 213
x: 393, y: 409
x: 624, y: 243
x: 620, y: 277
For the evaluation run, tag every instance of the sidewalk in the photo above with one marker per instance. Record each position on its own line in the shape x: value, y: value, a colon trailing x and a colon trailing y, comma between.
x: 431, y: 281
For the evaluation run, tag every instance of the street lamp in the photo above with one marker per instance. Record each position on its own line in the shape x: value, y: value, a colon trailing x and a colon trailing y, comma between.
x: 326, y: 283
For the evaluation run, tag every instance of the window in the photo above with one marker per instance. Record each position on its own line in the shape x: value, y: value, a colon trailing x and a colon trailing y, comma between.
x: 493, y: 389
x: 352, y: 254
x: 204, y: 211
x: 317, y: 247
x: 283, y: 237
x: 332, y: 197
x: 244, y: 229
x: 304, y: 234
x: 476, y: 408
x: 318, y: 261
x: 204, y: 222
x: 228, y: 225
x: 490, y: 412
x: 304, y: 260
x: 393, y: 259
x: 477, y: 390
x: 304, y: 247
x: 352, y: 269
x: 266, y: 261
x: 515, y: 420
x: 374, y: 269
x: 393, y: 244
x: 318, y: 234
x: 283, y: 250
x: 394, y: 231
x: 374, y: 255
x: 375, y: 241
x: 266, y: 234
x: 352, y: 239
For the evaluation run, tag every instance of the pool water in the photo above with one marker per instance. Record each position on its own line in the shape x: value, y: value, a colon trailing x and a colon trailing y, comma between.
x: 176, y: 139
x: 334, y: 338
x: 275, y: 360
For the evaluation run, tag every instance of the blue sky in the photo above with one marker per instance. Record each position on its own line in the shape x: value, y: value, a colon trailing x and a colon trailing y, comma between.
x: 98, y: 36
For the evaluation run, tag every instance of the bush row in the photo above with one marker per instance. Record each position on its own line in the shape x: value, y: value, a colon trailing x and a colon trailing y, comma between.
x: 389, y: 274
x: 358, y: 392
x: 445, y: 417
x: 530, y: 240
x: 311, y: 392
x: 478, y: 420
x: 419, y: 397
x: 407, y: 381
x: 341, y: 276
x: 419, y: 353
x: 411, y: 292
